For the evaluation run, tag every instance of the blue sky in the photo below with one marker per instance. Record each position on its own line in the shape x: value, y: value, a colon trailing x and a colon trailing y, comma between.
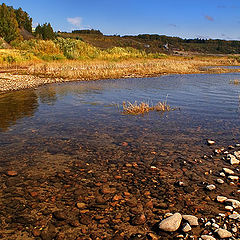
x: 183, y: 18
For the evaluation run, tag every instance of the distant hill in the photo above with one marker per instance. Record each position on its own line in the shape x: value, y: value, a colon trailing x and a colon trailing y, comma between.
x: 158, y: 43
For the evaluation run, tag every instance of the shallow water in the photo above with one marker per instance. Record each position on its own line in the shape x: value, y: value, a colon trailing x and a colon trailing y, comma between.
x: 85, y: 113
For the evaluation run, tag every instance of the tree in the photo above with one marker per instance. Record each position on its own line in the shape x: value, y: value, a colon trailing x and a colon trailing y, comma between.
x: 8, y: 24
x: 23, y: 19
x: 45, y: 31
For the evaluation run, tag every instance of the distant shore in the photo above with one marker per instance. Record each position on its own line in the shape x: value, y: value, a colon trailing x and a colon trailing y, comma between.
x: 17, y: 77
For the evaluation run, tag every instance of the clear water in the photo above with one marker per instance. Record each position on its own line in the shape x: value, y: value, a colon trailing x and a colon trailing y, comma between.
x: 60, y: 118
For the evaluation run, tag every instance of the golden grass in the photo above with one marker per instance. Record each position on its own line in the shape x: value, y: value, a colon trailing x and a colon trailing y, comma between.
x: 143, y: 107
x: 235, y: 82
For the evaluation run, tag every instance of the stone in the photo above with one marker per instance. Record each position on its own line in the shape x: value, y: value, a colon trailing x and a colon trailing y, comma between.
x: 221, y: 199
x: 220, y: 181
x: 210, y: 142
x: 234, y: 216
x: 237, y: 154
x: 171, y: 224
x: 223, y: 233
x: 214, y: 225
x: 229, y: 208
x: 59, y: 215
x: 12, y: 173
x: 233, y: 177
x: 81, y: 205
x: 210, y: 187
x: 192, y: 220
x: 233, y: 202
x: 233, y: 160
x: 207, y: 237
x: 186, y: 227
x: 222, y: 174
x: 139, y: 219
x: 228, y: 171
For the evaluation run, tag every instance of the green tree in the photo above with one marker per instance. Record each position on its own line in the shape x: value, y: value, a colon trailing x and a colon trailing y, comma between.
x: 45, y: 32
x: 23, y: 19
x: 8, y: 24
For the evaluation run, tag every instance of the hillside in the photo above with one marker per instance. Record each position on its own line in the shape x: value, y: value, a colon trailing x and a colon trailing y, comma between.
x: 159, y: 43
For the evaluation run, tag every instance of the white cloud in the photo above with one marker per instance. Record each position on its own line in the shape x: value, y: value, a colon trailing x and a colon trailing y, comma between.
x: 76, y: 21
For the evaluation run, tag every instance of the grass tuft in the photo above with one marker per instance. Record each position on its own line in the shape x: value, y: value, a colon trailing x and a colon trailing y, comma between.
x: 143, y: 107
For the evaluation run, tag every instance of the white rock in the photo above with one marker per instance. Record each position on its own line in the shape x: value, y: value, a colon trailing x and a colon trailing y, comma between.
x: 172, y: 223
x: 220, y: 181
x: 221, y: 199
x: 221, y: 214
x: 186, y: 228
x: 237, y: 154
x: 228, y: 171
x: 234, y: 216
x: 207, y: 237
x: 237, y: 145
x: 192, y: 220
x: 233, y: 160
x: 215, y: 225
x: 234, y: 229
x: 210, y: 187
x: 229, y: 208
x: 233, y: 202
x: 223, y: 233
x: 222, y: 174
x: 210, y: 142
x: 208, y: 224
x: 233, y: 177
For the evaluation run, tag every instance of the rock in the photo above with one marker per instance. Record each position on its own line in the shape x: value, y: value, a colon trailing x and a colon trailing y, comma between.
x: 220, y: 181
x: 237, y: 154
x: 223, y: 233
x: 214, y: 225
x: 222, y: 174
x: 221, y: 199
x: 81, y: 205
x: 186, y: 227
x: 233, y: 202
x: 207, y: 237
x: 172, y: 223
x: 211, y: 187
x: 228, y: 171
x: 233, y: 177
x: 12, y: 173
x: 229, y: 208
x: 139, y: 219
x: 210, y: 142
x: 235, y: 229
x: 234, y: 216
x: 233, y: 160
x: 59, y: 215
x: 192, y: 220
x: 49, y: 232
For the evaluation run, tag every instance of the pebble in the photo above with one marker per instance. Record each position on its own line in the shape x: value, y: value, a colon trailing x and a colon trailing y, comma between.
x: 139, y: 219
x: 192, y: 220
x: 172, y: 223
x: 234, y: 216
x: 222, y: 174
x: 210, y: 142
x: 234, y: 203
x: 215, y: 225
x: 211, y: 187
x: 233, y: 160
x: 12, y: 173
x: 233, y: 177
x: 221, y: 199
x: 228, y: 171
x: 237, y: 154
x: 220, y: 181
x: 186, y: 227
x: 229, y: 208
x: 223, y: 233
x: 207, y: 237
x: 81, y: 205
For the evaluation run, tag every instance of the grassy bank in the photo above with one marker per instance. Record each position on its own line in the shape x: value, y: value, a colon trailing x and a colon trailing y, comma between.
x: 36, y: 62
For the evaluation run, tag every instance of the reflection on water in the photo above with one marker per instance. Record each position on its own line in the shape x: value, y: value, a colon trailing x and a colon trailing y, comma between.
x: 83, y: 113
x: 17, y: 105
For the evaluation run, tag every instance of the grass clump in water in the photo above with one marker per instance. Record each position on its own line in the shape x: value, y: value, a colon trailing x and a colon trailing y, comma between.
x: 143, y: 107
x: 235, y: 82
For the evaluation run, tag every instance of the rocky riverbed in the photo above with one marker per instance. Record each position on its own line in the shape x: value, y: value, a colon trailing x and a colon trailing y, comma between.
x: 82, y: 192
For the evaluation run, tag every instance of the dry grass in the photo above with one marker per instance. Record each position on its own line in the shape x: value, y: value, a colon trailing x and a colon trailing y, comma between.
x: 235, y: 82
x: 96, y: 69
x: 143, y: 107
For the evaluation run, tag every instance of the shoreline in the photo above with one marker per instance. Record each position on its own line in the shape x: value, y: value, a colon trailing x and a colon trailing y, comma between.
x: 34, y: 76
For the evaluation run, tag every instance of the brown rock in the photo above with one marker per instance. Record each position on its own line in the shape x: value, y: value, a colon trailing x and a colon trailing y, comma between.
x: 12, y: 173
x: 36, y: 232
x: 139, y: 219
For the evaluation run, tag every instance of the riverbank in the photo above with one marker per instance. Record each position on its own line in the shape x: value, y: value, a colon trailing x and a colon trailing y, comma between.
x: 28, y: 75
